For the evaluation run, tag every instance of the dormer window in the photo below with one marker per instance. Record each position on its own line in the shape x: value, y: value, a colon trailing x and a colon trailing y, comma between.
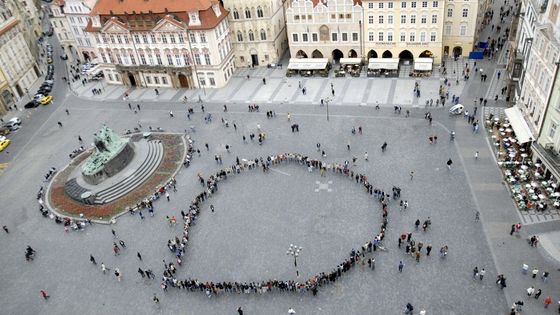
x: 193, y: 18
x: 216, y: 9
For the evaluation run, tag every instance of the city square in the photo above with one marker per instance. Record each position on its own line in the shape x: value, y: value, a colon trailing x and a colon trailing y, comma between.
x: 268, y: 193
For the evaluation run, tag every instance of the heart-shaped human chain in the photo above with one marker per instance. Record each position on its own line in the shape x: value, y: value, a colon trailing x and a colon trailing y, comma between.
x: 177, y: 246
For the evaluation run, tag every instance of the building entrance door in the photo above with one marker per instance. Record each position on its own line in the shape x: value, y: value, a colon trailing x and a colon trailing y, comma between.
x: 131, y: 79
x: 255, y: 59
x: 183, y: 81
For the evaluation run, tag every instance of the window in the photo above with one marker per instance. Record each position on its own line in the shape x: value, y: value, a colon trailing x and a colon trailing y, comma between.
x: 119, y: 39
x: 371, y: 36
x: 295, y: 38
x: 315, y: 37
x: 465, y: 12
x: 424, y: 4
x: 412, y: 36
x: 145, y: 38
x: 263, y: 34
x: 149, y: 80
x: 212, y: 81
x: 158, y: 58
x: 370, y: 5
x: 403, y: 19
x: 202, y: 37
x: 389, y: 36
x: 422, y: 36
x: 370, y: 19
x: 354, y: 37
x: 333, y: 16
x: 142, y: 59
x: 390, y: 5
x: 305, y: 37
x: 235, y: 14
x: 403, y: 5
x: 389, y: 19
x: 181, y: 39
x: 169, y: 60
x: 164, y: 38
x: 247, y: 13
x: 413, y: 18
x: 433, y: 37
x: 434, y: 18
x: 449, y: 12
x: 136, y: 39
x: 197, y: 59
x: 186, y: 59
x: 413, y: 4
x: 207, y: 59
x: 447, y: 29
x: 435, y: 4
x: 156, y: 80
x: 344, y: 37
x: 463, y: 30
x: 172, y: 38
x: 104, y: 58
x: 239, y: 36
x: 251, y: 36
x: 381, y: 19
x: 112, y: 39
x: 132, y: 59
x: 193, y: 38
x: 403, y: 36
x: 125, y: 39
x: 349, y: 16
x: 552, y: 129
x: 381, y: 5
x: 202, y: 81
x: 334, y: 37
x: 110, y: 77
x: 259, y: 12
x: 296, y: 17
x: 423, y: 19
x: 380, y: 36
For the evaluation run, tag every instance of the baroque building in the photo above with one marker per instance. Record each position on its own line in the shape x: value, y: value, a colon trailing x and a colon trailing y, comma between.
x: 162, y: 43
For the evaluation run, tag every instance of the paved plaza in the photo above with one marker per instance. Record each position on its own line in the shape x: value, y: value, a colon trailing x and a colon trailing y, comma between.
x: 258, y: 215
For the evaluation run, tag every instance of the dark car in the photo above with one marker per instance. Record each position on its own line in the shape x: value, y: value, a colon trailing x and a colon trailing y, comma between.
x: 31, y: 104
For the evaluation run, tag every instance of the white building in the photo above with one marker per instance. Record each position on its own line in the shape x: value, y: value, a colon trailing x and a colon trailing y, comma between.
x: 162, y: 43
x: 258, y: 30
x: 61, y: 27
x: 77, y: 13
x: 17, y: 62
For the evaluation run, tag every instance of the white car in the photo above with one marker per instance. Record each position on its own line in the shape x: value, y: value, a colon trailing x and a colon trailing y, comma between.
x: 15, y: 120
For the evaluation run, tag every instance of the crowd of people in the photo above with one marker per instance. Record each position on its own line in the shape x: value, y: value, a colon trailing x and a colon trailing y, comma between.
x: 178, y: 245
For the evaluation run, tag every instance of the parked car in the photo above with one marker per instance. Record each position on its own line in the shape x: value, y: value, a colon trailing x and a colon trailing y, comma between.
x: 4, y: 144
x: 15, y: 120
x: 38, y: 97
x: 64, y: 57
x: 31, y: 104
x: 46, y: 100
x: 11, y: 126
x: 4, y: 131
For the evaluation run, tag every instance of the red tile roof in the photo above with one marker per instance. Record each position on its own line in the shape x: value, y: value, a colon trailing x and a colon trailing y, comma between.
x: 104, y: 7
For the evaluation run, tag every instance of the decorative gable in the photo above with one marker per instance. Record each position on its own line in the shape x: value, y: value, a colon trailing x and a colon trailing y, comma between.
x: 114, y: 26
x: 216, y: 8
x: 194, y: 18
x: 168, y: 24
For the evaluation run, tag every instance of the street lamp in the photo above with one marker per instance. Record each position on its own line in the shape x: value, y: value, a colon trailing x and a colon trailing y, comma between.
x: 294, y: 251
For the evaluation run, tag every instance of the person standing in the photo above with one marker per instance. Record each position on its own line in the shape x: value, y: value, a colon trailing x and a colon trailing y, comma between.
x: 535, y: 272
x: 481, y: 274
x: 139, y: 256
x: 291, y: 311
x: 5, y: 228
x: 155, y: 299
x: 411, y: 175
x: 118, y: 274
x: 92, y: 259
x: 401, y: 266
x: 428, y: 249
x: 475, y: 272
x: 240, y: 310
x: 547, y: 301
x: 449, y: 163
x: 538, y: 294
x: 45, y: 295
x: 530, y: 291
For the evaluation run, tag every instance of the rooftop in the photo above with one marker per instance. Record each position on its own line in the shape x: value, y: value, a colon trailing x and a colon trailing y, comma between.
x: 105, y: 7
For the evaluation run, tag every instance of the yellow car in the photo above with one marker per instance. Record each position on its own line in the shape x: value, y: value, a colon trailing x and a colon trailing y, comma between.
x: 46, y: 100
x: 49, y: 60
x: 4, y: 144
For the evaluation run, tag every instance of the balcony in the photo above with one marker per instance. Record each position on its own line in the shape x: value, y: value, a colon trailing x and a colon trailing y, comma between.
x: 153, y: 68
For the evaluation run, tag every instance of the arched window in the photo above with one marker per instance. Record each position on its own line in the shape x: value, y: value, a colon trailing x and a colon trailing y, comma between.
x: 239, y: 36
x: 247, y: 13
x: 251, y: 36
x: 260, y: 12
x: 235, y: 14
x: 263, y: 34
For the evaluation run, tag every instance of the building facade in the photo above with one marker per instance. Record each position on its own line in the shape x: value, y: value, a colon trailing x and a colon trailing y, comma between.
x: 462, y: 23
x: 61, y: 28
x: 325, y: 29
x: 258, y: 31
x: 538, y: 76
x: 162, y: 43
x: 403, y: 29
x: 77, y: 15
x: 19, y: 72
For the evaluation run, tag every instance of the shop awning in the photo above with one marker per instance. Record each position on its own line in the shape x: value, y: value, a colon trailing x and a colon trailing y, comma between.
x: 519, y: 125
x: 350, y: 61
x: 423, y: 64
x: 383, y: 63
x: 94, y: 71
x: 308, y: 63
